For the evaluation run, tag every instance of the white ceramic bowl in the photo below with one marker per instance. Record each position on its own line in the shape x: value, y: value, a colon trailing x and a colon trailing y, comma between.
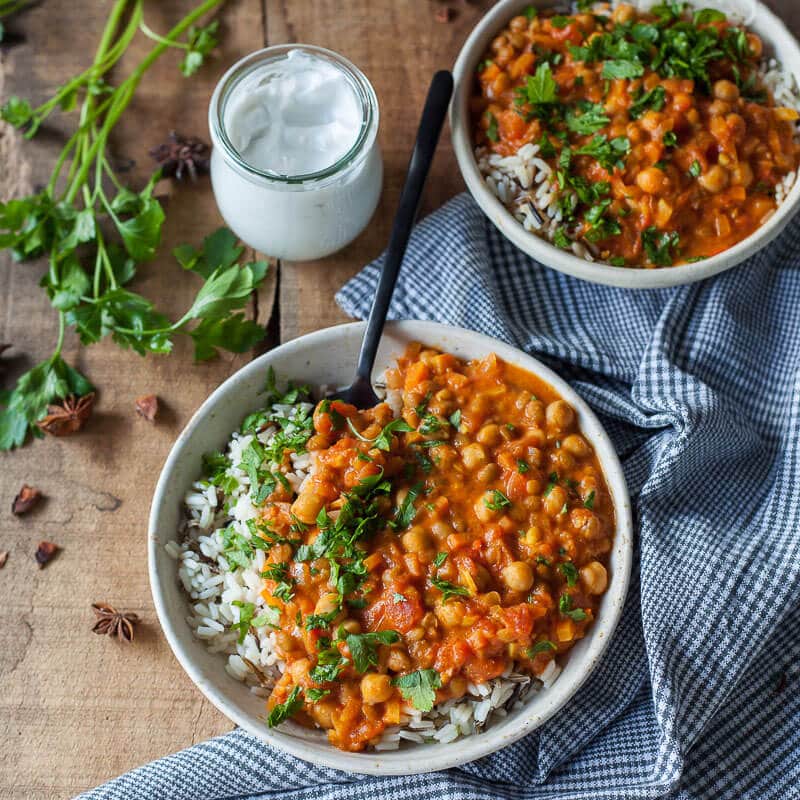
x: 778, y: 41
x: 328, y: 357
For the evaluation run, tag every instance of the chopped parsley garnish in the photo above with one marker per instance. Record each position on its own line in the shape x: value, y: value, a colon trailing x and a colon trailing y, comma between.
x: 622, y: 69
x: 654, y: 100
x: 569, y: 571
x: 670, y: 139
x: 364, y: 647
x: 449, y: 590
x: 539, y: 89
x: 491, y: 131
x: 498, y: 502
x: 430, y: 424
x: 660, y: 247
x: 609, y: 152
x: 398, y: 598
x: 695, y: 170
x: 543, y: 561
x: 546, y: 147
x: 439, y: 560
x: 560, y: 239
x: 543, y: 646
x: 419, y: 687
x: 422, y: 407
x: 282, y: 711
x: 565, y: 607
x: 522, y: 466
x: 455, y: 419
x: 247, y: 617
x: 406, y: 512
x: 560, y: 21
x: 589, y: 501
x: 552, y: 481
x: 531, y: 12
x: 314, y: 695
x: 591, y: 119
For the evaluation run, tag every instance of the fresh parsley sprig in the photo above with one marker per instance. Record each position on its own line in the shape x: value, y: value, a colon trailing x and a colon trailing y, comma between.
x: 94, y: 231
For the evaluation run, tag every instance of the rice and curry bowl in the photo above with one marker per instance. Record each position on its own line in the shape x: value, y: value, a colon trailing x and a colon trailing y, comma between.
x: 412, y: 573
x: 632, y: 138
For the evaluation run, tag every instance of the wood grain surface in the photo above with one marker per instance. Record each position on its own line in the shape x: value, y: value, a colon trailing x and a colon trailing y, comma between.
x: 75, y: 708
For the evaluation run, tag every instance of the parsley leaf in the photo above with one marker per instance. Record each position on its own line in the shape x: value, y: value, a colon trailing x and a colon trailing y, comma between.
x: 498, y: 502
x: 439, y: 560
x: 610, y: 153
x: 314, y: 695
x: 522, y: 466
x: 659, y: 247
x: 364, y: 647
x: 419, y: 687
x: 591, y: 119
x: 654, y: 100
x: 449, y: 590
x: 491, y: 131
x: 570, y: 572
x: 565, y: 607
x: 622, y: 69
x: 281, y: 712
x: 405, y: 514
x: 455, y: 419
x: 695, y: 169
x: 589, y: 501
x: 539, y: 89
x: 543, y: 646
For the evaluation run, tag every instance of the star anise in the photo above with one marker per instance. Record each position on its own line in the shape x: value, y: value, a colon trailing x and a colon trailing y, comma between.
x: 114, y: 623
x: 147, y: 407
x: 69, y: 417
x: 181, y: 154
x: 27, y: 498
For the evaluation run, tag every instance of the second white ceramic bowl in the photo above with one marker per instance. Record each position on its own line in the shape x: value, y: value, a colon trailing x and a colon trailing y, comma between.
x: 328, y: 357
x: 778, y: 41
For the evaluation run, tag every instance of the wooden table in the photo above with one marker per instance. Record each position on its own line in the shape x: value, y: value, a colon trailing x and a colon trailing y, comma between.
x: 75, y: 708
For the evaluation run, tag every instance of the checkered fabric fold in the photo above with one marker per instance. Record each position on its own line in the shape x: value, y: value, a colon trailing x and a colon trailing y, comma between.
x: 698, y: 695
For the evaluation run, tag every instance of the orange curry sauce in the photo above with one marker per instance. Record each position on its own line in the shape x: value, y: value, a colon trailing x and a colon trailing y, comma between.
x: 702, y: 145
x: 479, y: 524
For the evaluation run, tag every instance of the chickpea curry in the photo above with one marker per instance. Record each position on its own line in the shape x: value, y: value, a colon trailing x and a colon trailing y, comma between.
x: 665, y: 143
x: 435, y: 549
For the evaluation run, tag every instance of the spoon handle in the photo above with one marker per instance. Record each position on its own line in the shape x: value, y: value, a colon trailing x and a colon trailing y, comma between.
x: 430, y: 126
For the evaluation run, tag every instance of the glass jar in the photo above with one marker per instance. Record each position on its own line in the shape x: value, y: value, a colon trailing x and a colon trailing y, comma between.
x: 305, y: 216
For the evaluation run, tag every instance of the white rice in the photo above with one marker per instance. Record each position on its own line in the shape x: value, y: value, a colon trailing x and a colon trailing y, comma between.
x: 526, y: 186
x: 213, y: 586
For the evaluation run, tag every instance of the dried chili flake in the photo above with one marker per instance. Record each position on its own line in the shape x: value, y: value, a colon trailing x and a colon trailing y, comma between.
x: 45, y: 552
x: 25, y: 500
x: 147, y: 406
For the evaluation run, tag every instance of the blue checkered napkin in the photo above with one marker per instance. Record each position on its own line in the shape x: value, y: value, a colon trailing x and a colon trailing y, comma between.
x: 698, y: 695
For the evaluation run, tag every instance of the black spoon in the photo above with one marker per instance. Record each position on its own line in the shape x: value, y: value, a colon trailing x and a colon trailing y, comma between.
x: 360, y: 392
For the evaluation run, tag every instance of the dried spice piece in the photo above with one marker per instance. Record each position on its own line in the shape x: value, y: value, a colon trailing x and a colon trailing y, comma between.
x: 443, y: 14
x: 3, y: 558
x: 182, y: 154
x: 45, y: 552
x: 69, y: 418
x: 27, y: 498
x: 114, y: 623
x: 147, y: 407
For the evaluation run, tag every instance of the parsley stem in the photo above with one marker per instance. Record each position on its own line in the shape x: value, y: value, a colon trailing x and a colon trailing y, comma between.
x: 60, y: 342
x: 151, y: 34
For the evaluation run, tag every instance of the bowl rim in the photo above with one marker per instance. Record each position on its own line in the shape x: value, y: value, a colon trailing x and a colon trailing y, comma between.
x: 463, y: 750
x: 547, y: 253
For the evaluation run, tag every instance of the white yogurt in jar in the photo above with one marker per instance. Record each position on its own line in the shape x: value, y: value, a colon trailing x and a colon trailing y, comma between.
x: 296, y: 167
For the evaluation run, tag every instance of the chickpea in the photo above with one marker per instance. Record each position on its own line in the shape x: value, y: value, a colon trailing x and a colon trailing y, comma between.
x: 504, y: 56
x: 482, y: 511
x: 719, y: 108
x: 306, y: 507
x: 398, y: 660
x: 559, y: 415
x: 535, y: 412
x: 742, y: 174
x: 327, y: 603
x: 518, y: 576
x: 562, y: 460
x: 624, y: 13
x: 554, y: 502
x: 416, y: 540
x: 652, y: 181
x: 715, y: 180
x: 352, y: 626
x: 284, y: 643
x: 474, y: 456
x: 755, y: 45
x: 519, y: 24
x: 577, y: 445
x: 500, y: 84
x: 594, y: 577
x: 375, y: 688
x: 585, y: 522
x: 727, y: 91
x: 322, y: 714
x: 457, y: 686
x: 497, y: 43
x: 450, y: 614
x: 517, y: 40
x: 489, y: 435
x: 488, y: 473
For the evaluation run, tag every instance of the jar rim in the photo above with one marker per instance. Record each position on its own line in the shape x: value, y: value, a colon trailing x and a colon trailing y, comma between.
x: 253, y: 61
